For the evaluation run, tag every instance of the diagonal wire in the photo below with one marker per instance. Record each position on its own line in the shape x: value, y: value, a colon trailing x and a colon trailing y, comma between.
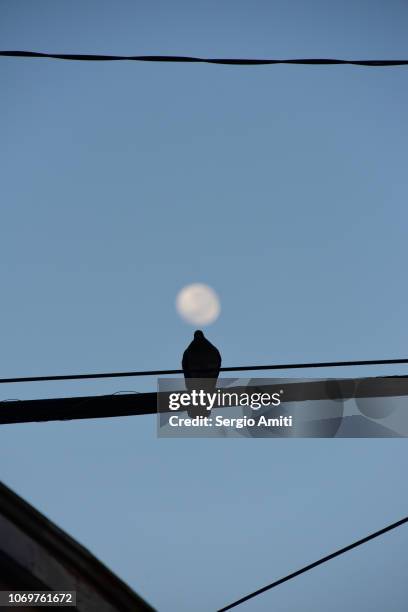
x: 339, y: 552
x: 249, y: 368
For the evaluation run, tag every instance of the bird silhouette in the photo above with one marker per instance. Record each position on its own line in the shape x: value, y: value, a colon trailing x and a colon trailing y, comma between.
x: 201, y: 360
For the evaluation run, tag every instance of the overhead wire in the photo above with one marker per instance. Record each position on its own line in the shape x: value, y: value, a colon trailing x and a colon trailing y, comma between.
x: 247, y: 368
x: 307, y: 568
x: 97, y: 57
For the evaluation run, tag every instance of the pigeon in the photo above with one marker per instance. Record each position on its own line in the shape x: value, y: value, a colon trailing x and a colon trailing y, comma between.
x: 201, y: 359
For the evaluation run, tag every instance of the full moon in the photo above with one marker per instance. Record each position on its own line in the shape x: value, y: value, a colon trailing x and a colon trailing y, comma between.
x: 198, y: 304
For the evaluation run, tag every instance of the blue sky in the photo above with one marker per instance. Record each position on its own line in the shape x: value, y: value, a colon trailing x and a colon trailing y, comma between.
x: 282, y: 187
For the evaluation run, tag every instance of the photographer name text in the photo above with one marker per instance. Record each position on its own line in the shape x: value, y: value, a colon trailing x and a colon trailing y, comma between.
x: 236, y: 422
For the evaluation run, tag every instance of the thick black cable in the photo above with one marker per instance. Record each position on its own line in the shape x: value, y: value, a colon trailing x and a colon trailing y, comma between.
x: 187, y: 59
x: 284, y: 366
x: 341, y: 551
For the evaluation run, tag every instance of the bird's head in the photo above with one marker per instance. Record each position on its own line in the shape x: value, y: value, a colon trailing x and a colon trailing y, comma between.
x: 198, y: 334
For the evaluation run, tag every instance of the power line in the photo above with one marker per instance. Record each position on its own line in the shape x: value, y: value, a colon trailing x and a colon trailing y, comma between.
x: 203, y: 60
x: 250, y: 368
x: 121, y: 404
x: 341, y: 551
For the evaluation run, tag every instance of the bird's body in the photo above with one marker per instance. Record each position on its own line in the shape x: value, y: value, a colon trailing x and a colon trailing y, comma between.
x: 201, y: 360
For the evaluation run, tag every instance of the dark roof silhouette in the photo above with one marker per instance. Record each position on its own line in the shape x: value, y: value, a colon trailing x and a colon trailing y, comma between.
x: 35, y: 554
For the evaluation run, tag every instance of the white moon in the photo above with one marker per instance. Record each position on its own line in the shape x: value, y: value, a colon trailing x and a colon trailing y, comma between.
x: 198, y: 304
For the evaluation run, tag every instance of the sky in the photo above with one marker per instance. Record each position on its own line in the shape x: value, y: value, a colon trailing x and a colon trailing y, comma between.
x: 284, y: 188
